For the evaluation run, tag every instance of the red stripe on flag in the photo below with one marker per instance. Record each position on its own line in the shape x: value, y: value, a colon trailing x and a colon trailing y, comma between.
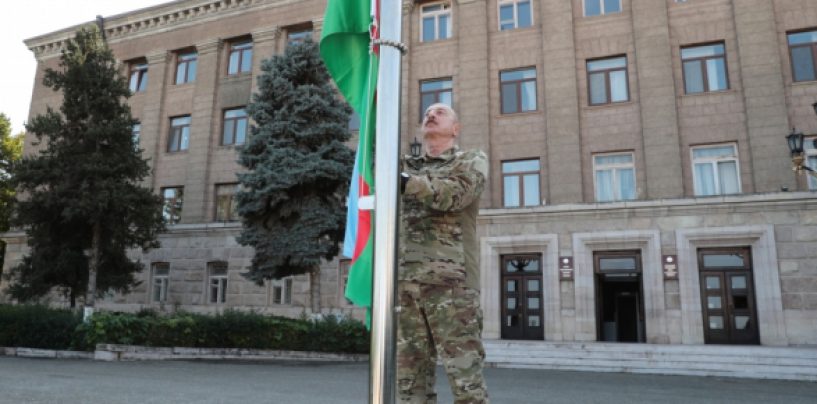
x: 364, y: 222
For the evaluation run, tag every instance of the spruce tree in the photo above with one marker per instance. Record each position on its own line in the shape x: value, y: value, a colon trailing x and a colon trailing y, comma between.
x: 11, y: 148
x: 293, y: 196
x: 83, y: 205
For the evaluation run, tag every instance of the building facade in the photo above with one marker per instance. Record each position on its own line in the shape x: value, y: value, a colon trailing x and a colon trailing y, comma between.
x: 640, y: 187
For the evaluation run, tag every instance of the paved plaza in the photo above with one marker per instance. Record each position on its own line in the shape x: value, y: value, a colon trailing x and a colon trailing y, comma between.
x: 24, y: 380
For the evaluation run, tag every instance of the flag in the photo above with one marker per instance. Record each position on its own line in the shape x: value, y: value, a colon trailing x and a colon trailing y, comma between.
x: 344, y: 47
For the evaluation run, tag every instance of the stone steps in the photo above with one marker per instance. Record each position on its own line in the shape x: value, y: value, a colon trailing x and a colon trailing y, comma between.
x: 700, y: 360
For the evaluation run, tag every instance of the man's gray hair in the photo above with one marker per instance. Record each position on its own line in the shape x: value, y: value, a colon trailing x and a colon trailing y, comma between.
x: 445, y: 107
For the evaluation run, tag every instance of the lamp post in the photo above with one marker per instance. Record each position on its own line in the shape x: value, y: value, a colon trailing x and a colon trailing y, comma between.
x: 795, y: 141
x: 417, y: 147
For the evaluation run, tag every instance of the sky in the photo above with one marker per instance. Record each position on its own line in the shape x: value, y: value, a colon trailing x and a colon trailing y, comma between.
x: 25, y: 19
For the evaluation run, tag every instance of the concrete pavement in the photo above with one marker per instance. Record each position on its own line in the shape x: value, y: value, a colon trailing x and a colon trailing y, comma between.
x: 26, y: 380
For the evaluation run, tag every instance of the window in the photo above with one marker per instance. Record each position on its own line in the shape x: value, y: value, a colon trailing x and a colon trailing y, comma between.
x: 601, y: 7
x: 435, y: 22
x: 298, y: 36
x: 607, y: 80
x: 235, y: 127
x: 811, y: 160
x: 136, y: 133
x: 704, y: 68
x: 282, y: 291
x: 434, y: 91
x: 172, y: 207
x: 715, y: 170
x: 343, y: 276
x: 240, y: 58
x: 615, y: 177
x: 160, y: 273
x: 138, y: 77
x: 518, y: 88
x: 803, y: 50
x: 186, y: 67
x: 179, y: 138
x: 217, y: 282
x: 520, y: 183
x: 225, y: 202
x: 514, y: 14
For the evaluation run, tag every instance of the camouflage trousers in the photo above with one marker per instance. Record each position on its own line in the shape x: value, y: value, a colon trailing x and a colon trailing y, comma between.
x: 439, y: 320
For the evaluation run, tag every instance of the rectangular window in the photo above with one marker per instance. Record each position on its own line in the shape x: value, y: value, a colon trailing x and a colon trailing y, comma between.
x: 811, y: 160
x: 235, y: 127
x: 435, y: 22
x: 704, y: 68
x: 715, y: 170
x: 217, y: 282
x: 160, y: 274
x: 518, y: 90
x: 614, y: 177
x: 138, y: 77
x: 514, y: 14
x: 343, y: 276
x: 601, y: 7
x: 607, y: 80
x: 803, y: 51
x: 434, y: 91
x: 186, y: 67
x: 136, y: 133
x: 240, y: 60
x: 298, y: 36
x: 172, y: 208
x: 520, y: 183
x: 179, y: 138
x: 282, y: 291
x: 225, y: 202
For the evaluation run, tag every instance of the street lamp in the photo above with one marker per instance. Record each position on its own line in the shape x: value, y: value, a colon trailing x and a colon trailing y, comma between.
x: 417, y: 147
x: 795, y: 142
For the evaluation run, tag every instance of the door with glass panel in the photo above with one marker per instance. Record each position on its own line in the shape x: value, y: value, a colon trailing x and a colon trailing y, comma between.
x: 727, y: 293
x: 522, y: 297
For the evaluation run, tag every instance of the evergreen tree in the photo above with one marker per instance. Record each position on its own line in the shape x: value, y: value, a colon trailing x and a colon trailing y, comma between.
x: 293, y: 196
x: 11, y: 148
x: 83, y: 205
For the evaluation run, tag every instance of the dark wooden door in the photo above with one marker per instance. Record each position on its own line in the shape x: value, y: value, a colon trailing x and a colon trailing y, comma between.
x: 727, y: 294
x: 522, y: 297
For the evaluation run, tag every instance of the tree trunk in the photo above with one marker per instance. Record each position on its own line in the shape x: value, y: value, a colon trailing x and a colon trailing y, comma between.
x: 315, y: 289
x: 93, y: 266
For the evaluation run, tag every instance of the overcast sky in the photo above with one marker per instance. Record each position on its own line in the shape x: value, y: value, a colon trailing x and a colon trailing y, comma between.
x: 29, y: 18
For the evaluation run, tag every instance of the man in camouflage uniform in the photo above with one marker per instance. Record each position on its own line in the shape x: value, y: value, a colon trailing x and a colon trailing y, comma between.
x: 439, y: 276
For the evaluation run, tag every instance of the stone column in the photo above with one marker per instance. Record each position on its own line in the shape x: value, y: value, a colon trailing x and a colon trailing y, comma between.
x: 151, y: 119
x: 203, y: 120
x: 263, y: 47
x: 764, y: 94
x: 656, y: 96
x: 563, y: 137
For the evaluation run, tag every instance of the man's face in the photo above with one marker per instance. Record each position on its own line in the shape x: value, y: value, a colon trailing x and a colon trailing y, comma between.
x: 440, y: 121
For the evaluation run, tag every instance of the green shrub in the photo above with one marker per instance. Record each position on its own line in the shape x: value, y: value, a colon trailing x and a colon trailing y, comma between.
x: 34, y: 326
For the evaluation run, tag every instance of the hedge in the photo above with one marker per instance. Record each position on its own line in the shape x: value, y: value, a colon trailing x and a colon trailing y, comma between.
x: 41, y: 327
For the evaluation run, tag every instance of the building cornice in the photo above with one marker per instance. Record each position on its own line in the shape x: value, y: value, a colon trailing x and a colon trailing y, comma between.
x: 152, y: 20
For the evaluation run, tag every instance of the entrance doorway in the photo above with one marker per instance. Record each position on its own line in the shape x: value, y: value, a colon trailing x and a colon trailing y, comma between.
x: 727, y: 294
x: 619, y: 297
x: 522, y: 297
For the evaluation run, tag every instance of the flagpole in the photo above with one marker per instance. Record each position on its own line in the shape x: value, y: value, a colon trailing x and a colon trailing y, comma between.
x: 387, y: 156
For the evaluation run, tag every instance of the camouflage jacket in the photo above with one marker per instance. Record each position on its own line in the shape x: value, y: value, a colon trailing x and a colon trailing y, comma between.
x: 438, y: 241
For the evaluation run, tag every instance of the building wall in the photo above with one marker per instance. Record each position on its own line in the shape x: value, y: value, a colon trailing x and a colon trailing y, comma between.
x: 659, y: 124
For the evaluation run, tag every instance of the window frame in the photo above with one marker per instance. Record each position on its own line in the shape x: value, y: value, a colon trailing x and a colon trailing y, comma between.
x: 518, y: 87
x: 521, y: 177
x: 446, y: 9
x: 141, y: 70
x: 810, y: 151
x: 436, y: 93
x: 177, y: 147
x: 164, y: 284
x: 602, y: 12
x: 136, y: 134
x: 220, y: 284
x: 173, y: 210
x: 284, y: 286
x: 811, y: 45
x: 232, y: 216
x: 702, y: 66
x: 307, y: 32
x: 608, y: 88
x: 714, y: 161
x: 187, y: 58
x: 240, y: 47
x: 617, y: 197
x: 234, y: 122
x: 515, y: 4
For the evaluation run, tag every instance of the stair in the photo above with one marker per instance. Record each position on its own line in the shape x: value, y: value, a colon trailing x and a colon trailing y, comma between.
x: 758, y: 362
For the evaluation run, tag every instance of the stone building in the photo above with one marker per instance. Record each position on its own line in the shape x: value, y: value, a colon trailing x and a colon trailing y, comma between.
x: 640, y: 188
